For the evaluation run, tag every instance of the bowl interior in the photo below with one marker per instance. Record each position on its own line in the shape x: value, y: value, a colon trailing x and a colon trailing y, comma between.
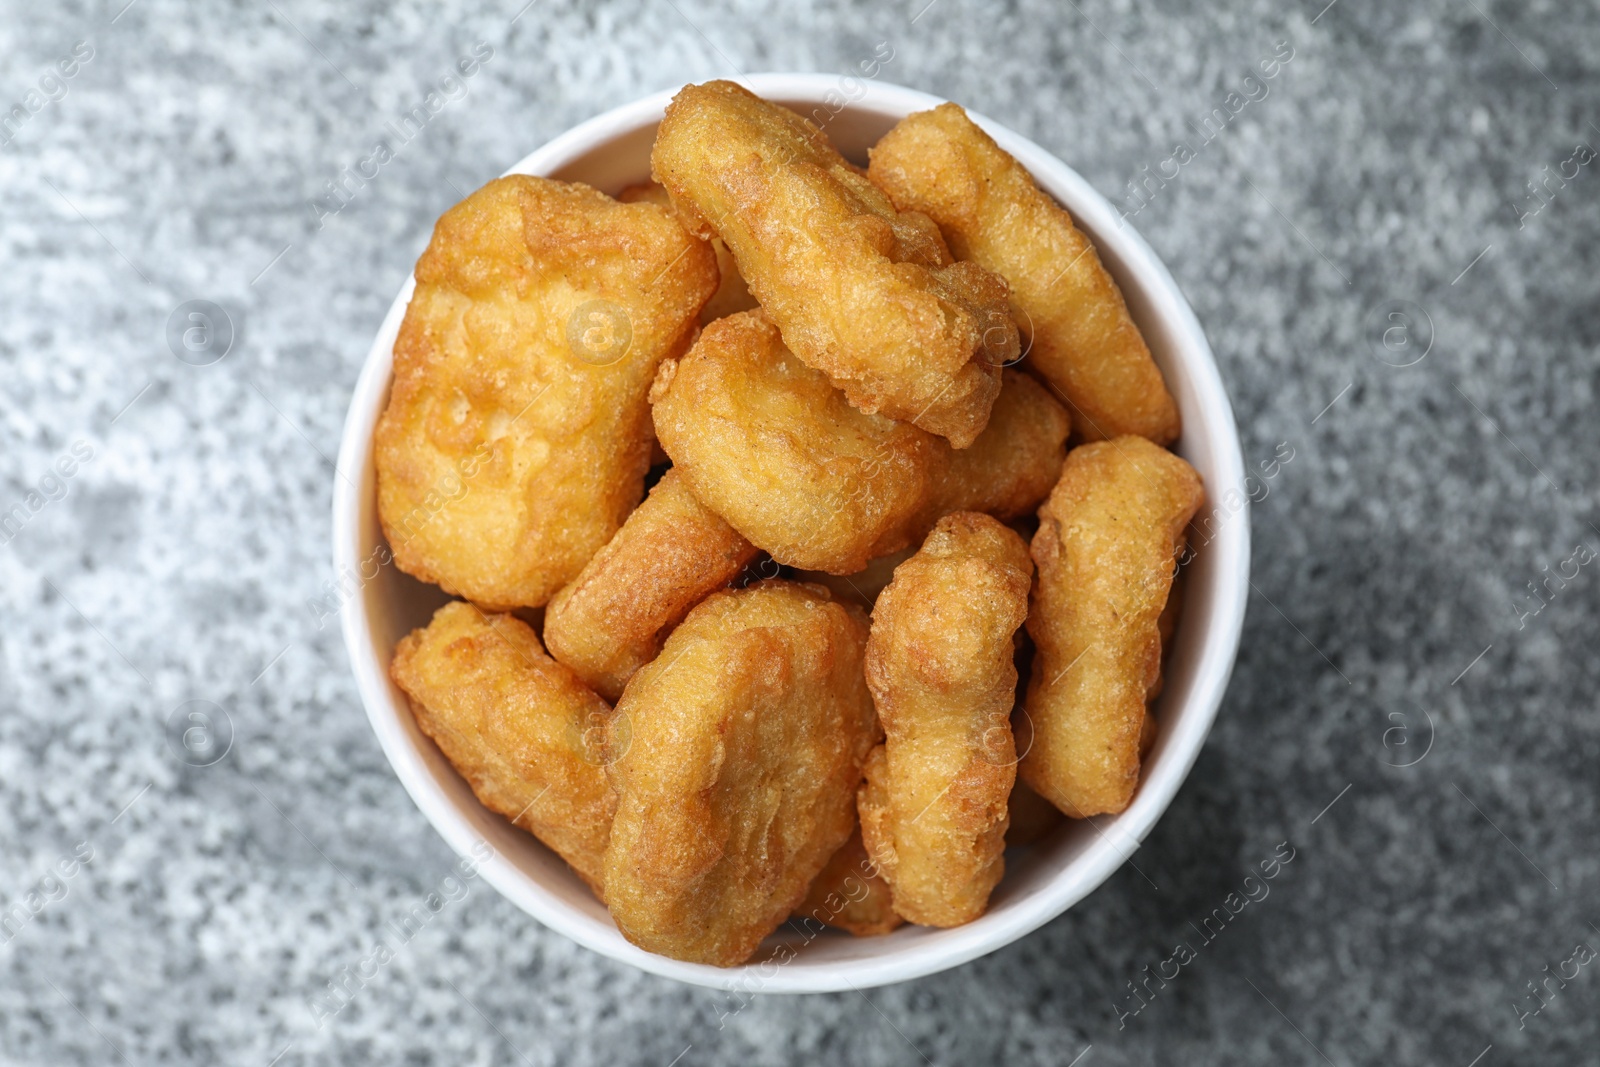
x: 610, y: 153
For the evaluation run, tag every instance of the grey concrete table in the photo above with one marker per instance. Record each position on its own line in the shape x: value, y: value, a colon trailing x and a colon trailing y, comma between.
x: 176, y: 527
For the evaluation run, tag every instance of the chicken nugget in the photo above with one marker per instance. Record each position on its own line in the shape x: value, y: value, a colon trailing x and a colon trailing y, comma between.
x: 1108, y: 540
x: 523, y: 731
x: 862, y: 292
x: 1083, y: 341
x: 748, y: 735
x: 665, y: 559
x: 732, y: 293
x: 849, y: 894
x: 517, y: 432
x: 1013, y: 464
x: 940, y: 664
x: 767, y: 443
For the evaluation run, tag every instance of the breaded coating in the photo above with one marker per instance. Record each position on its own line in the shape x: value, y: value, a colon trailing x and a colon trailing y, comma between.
x: 1108, y: 541
x: 867, y: 294
x: 748, y: 735
x: 671, y: 553
x: 773, y: 448
x: 1013, y: 464
x: 940, y: 664
x: 732, y: 293
x: 523, y: 731
x: 517, y: 433
x: 1083, y: 341
x: 769, y: 445
x: 849, y: 894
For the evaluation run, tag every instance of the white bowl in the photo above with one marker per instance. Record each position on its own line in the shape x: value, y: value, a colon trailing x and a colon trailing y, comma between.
x: 610, y: 152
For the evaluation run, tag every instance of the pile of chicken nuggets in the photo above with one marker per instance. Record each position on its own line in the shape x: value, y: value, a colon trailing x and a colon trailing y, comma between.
x: 784, y: 684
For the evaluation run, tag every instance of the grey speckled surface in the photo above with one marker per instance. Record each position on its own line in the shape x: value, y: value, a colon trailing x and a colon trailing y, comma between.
x: 1388, y: 158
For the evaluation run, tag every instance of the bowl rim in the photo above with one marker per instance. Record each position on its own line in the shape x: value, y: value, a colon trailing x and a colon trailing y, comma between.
x: 1084, y: 873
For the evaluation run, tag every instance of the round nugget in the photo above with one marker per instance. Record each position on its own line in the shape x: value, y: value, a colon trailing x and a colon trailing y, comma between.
x: 517, y: 433
x: 771, y: 446
x: 748, y: 733
x: 524, y: 732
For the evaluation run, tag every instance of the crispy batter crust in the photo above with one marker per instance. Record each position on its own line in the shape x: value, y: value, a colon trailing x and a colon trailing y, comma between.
x: 1084, y: 342
x: 748, y: 733
x: 523, y: 731
x: 940, y: 664
x: 511, y: 450
x: 769, y: 445
x: 1108, y: 539
x: 665, y: 559
x: 1013, y: 464
x: 849, y: 894
x: 862, y: 292
x: 732, y: 293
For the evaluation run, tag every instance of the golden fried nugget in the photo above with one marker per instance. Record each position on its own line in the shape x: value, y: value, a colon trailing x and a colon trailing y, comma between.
x: 769, y: 445
x: 1013, y: 464
x: 849, y: 894
x: 940, y: 664
x: 773, y: 448
x: 862, y: 292
x: 665, y: 559
x: 1084, y: 342
x: 523, y: 731
x: 1032, y: 816
x: 732, y: 293
x: 517, y: 432
x: 1107, y: 544
x: 748, y: 733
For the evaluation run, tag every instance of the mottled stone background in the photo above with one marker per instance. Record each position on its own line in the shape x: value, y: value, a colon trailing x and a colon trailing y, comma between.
x: 1390, y: 160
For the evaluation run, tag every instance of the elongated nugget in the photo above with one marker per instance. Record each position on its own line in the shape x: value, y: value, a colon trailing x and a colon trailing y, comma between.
x: 773, y: 448
x: 1084, y: 342
x: 523, y: 731
x: 667, y: 557
x: 518, y: 432
x: 849, y: 894
x: 862, y: 292
x: 940, y: 664
x: 732, y: 292
x: 769, y: 445
x: 738, y: 785
x: 1108, y: 541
